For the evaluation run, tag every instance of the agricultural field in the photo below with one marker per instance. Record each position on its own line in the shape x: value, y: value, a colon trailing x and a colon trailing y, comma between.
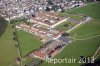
x: 72, y: 16
x: 28, y: 42
x: 92, y: 10
x: 92, y: 28
x: 8, y: 51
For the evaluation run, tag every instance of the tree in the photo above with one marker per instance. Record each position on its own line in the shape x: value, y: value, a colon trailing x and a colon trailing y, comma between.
x: 65, y: 25
x: 3, y: 25
x: 65, y: 34
x: 15, y: 38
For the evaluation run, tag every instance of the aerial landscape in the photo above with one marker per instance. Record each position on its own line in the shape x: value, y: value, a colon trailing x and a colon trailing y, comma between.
x: 49, y: 33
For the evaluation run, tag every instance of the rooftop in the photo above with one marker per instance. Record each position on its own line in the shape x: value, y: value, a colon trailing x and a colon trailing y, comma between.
x: 47, y: 18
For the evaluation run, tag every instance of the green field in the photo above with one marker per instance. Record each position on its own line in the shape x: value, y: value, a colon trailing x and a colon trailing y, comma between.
x: 92, y: 10
x: 8, y: 52
x: 28, y: 42
x: 92, y: 28
x: 65, y: 26
x: 86, y: 47
x: 72, y: 16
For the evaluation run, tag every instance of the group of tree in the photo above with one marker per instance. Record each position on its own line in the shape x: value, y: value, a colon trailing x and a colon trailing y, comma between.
x: 3, y: 25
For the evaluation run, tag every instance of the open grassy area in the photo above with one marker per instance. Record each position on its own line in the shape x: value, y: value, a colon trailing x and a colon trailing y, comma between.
x: 92, y: 28
x: 72, y: 16
x: 79, y: 48
x: 92, y: 10
x: 8, y: 52
x: 28, y: 42
x: 65, y: 26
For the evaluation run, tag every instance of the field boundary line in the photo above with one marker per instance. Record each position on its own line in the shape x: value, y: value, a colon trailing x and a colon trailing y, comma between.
x: 89, y: 37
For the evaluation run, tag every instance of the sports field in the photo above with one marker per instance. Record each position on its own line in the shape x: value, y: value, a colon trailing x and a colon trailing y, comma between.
x: 28, y: 42
x: 8, y: 52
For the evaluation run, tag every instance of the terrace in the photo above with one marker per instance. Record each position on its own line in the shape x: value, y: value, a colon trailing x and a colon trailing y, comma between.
x: 47, y: 19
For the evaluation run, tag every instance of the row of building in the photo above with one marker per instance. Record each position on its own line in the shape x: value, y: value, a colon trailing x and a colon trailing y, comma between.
x: 43, y: 25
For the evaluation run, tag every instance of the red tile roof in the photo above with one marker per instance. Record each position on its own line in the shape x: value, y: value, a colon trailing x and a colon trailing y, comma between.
x: 41, y: 55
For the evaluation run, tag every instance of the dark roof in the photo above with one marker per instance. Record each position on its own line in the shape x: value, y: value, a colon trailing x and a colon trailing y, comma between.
x: 65, y: 39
